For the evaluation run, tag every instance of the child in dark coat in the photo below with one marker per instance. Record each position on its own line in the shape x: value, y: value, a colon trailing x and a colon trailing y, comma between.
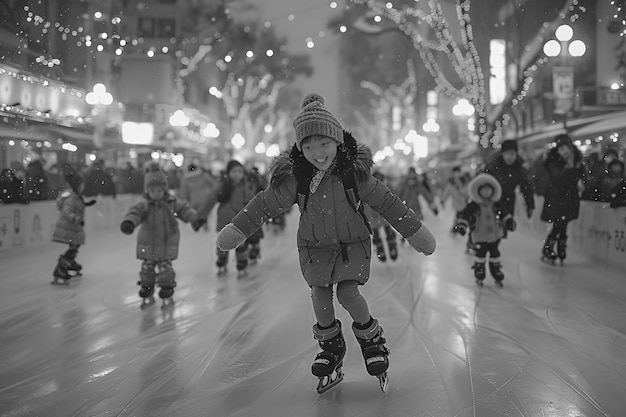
x: 486, y: 219
x: 327, y: 173
x: 159, y: 237
x: 69, y: 227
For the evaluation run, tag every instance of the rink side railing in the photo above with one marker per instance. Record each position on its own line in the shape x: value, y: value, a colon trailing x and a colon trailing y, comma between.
x: 600, y: 231
x: 26, y: 225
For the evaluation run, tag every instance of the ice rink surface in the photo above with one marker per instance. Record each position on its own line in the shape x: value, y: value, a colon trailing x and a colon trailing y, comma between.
x: 550, y: 343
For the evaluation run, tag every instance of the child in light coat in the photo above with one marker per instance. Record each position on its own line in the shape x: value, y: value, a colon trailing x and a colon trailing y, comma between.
x: 158, y: 238
x: 327, y: 173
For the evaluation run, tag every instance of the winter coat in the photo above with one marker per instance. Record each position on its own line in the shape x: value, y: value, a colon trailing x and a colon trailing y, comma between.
x: 69, y: 226
x: 158, y: 236
x: 618, y: 195
x: 196, y: 187
x: 485, y: 218
x: 333, y: 240
x: 562, y: 202
x: 409, y: 193
x: 510, y: 177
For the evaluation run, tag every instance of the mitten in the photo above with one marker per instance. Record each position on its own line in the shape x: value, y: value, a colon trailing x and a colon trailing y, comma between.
x: 423, y: 241
x: 510, y: 224
x: 230, y: 237
x: 529, y: 212
x: 197, y: 224
x: 460, y: 228
x: 127, y: 227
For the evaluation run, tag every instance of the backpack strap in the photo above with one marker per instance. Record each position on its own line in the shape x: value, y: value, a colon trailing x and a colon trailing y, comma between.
x: 348, y: 180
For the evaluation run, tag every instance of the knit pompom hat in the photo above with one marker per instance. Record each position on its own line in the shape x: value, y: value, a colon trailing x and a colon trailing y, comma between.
x: 315, y: 119
x: 484, y: 180
x: 154, y: 176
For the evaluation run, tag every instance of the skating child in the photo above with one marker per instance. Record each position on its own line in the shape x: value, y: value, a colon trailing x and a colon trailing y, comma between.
x: 456, y: 190
x: 158, y: 237
x: 327, y: 173
x: 69, y: 227
x: 379, y: 224
x: 235, y: 190
x: 485, y: 218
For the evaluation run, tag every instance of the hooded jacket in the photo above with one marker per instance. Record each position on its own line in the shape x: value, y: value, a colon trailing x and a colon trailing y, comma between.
x: 333, y: 240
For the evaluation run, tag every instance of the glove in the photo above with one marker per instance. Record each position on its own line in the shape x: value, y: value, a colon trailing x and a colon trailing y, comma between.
x: 90, y: 203
x: 127, y: 227
x: 529, y: 212
x: 423, y: 241
x: 81, y: 222
x: 230, y: 237
x: 197, y: 224
x: 510, y: 224
x: 461, y: 229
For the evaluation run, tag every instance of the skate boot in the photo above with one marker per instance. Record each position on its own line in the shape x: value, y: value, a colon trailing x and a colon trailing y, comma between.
x: 222, y: 271
x: 166, y: 294
x: 61, y: 276
x: 374, y: 352
x: 147, y: 302
x: 393, y: 250
x: 380, y: 252
x: 495, y: 269
x: 547, y: 253
x: 146, y: 294
x: 242, y: 273
x: 479, y: 272
x: 167, y: 303
x: 75, y: 267
x: 561, y: 248
x: 327, y: 364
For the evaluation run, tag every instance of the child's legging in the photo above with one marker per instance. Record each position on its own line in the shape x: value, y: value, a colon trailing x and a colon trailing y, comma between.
x: 559, y: 230
x: 348, y: 296
x: 241, y: 253
x: 71, y: 252
x: 165, y: 278
x: 491, y: 248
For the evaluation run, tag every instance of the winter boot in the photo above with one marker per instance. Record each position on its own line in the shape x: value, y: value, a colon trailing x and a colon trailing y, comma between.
x: 60, y: 273
x: 374, y: 351
x: 328, y: 363
x: 561, y: 248
x: 495, y: 269
x: 547, y: 253
x: 479, y: 272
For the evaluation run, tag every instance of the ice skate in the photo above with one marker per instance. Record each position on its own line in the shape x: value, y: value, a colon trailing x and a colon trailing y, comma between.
x: 61, y: 276
x: 147, y: 302
x: 495, y: 269
x: 479, y: 272
x: 168, y: 303
x: 393, y: 251
x: 221, y: 271
x: 242, y: 273
x: 547, y: 253
x: 374, y: 351
x: 328, y: 363
x: 380, y: 252
x: 561, y: 248
x: 75, y: 267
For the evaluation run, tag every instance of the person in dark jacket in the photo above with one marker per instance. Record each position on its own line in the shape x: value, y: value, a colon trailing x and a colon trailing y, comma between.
x: 564, y: 165
x: 13, y: 186
x: 507, y: 167
x: 327, y: 173
x: 610, y: 179
x: 36, y: 181
x: 99, y: 182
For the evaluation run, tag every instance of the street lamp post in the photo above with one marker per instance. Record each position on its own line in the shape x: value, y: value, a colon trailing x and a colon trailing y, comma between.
x: 563, y: 75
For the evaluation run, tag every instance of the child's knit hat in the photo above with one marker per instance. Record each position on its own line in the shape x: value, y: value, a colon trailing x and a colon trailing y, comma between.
x: 315, y: 119
x: 154, y: 176
x: 74, y: 178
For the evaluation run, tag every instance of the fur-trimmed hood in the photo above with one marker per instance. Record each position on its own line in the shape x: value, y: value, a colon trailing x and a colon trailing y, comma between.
x: 481, y: 180
x: 350, y: 155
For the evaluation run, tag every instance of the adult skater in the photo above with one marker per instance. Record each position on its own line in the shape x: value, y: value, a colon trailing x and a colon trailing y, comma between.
x: 158, y: 238
x: 69, y: 228
x: 327, y: 173
x: 566, y: 172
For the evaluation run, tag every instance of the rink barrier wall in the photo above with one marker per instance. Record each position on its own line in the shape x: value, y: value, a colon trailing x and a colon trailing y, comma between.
x: 27, y: 225
x: 599, y: 231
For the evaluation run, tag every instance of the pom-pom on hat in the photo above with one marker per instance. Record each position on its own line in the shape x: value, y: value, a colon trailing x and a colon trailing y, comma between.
x: 154, y: 176
x: 316, y: 119
x: 484, y: 180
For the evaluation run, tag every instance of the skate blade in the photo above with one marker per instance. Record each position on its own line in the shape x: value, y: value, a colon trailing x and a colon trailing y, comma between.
x: 383, y: 379
x: 327, y: 382
x: 147, y: 304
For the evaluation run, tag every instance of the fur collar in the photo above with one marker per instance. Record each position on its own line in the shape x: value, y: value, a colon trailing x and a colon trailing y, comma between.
x: 351, y: 155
